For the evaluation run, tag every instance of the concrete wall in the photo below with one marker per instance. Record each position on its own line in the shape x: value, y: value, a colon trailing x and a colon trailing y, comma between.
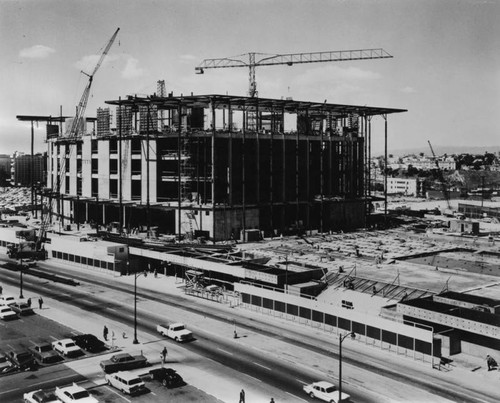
x: 455, y: 322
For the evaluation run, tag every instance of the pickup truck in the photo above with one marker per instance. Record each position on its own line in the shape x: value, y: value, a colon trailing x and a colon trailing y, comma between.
x: 176, y: 331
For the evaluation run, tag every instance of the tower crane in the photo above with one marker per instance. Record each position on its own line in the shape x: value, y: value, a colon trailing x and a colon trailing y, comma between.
x: 75, y: 131
x: 444, y: 188
x: 289, y: 59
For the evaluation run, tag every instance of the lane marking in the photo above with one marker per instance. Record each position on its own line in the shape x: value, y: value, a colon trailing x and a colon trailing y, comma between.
x: 116, y: 393
x: 263, y: 366
x: 302, y: 382
x: 224, y: 351
x: 254, y: 378
x: 54, y: 338
x: 112, y: 309
x: 153, y: 393
x: 11, y: 390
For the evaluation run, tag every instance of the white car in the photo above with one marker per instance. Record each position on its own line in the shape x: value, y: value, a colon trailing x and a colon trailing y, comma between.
x: 67, y: 347
x: 127, y: 382
x: 6, y: 313
x: 325, y: 391
x: 7, y: 300
x: 39, y: 396
x: 75, y: 394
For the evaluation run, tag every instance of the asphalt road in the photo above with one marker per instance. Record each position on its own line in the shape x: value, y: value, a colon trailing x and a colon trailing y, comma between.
x: 264, y: 368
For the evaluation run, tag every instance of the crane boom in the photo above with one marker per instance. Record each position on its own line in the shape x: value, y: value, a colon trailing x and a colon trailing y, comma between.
x: 289, y: 59
x: 82, y: 105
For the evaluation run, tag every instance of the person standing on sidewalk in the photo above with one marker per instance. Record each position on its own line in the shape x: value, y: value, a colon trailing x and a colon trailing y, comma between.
x: 492, y: 364
x: 164, y: 355
x: 40, y: 302
x: 242, y: 396
x: 105, y: 333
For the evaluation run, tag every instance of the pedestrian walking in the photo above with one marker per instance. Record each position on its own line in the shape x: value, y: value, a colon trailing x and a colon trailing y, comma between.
x: 242, y: 396
x: 29, y: 302
x: 164, y: 353
x: 272, y: 400
x: 105, y: 333
x: 1, y: 289
x: 40, y: 302
x: 156, y: 273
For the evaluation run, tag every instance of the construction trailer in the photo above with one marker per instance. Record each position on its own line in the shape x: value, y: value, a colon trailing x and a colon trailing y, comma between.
x: 218, y: 165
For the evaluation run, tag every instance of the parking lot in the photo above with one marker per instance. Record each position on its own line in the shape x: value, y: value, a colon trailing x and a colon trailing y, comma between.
x: 29, y: 331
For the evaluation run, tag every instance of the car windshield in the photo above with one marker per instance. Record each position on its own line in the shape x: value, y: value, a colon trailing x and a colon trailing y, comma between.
x: 81, y: 395
x: 44, y: 348
x: 4, y: 310
x: 177, y: 328
x: 135, y: 381
x: 330, y: 389
x: 70, y: 344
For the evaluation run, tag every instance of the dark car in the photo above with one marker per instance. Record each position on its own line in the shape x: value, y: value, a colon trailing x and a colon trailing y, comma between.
x: 44, y: 353
x: 123, y: 362
x: 89, y: 342
x: 22, y: 309
x: 167, y: 376
x: 22, y: 358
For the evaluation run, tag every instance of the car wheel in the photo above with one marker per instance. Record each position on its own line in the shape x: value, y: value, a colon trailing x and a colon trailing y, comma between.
x: 311, y: 395
x: 164, y: 382
x: 109, y: 382
x: 177, y: 339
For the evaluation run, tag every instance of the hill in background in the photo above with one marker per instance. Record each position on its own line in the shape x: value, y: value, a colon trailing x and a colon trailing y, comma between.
x: 439, y: 150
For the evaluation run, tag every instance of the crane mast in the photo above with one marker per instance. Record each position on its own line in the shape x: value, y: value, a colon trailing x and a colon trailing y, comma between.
x: 288, y: 59
x: 444, y: 189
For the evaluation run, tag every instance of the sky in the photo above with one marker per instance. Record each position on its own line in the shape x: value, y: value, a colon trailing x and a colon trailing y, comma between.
x: 445, y: 68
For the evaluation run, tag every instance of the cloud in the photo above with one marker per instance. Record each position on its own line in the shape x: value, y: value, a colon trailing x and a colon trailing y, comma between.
x: 408, y: 90
x: 132, y: 69
x: 36, y: 52
x: 130, y: 64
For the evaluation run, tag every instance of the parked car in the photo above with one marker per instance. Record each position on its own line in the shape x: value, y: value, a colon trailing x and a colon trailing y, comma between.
x: 5, y: 365
x: 325, y: 391
x: 22, y: 309
x: 6, y: 313
x: 22, y: 358
x: 39, y: 396
x: 167, y: 376
x: 7, y: 300
x: 28, y: 263
x: 89, y: 342
x: 74, y: 394
x: 67, y: 348
x: 44, y: 353
x: 127, y: 382
x: 123, y: 361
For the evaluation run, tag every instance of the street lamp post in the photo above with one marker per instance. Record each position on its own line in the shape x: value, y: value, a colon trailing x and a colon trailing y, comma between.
x: 21, y: 281
x: 136, y: 275
x: 341, y: 339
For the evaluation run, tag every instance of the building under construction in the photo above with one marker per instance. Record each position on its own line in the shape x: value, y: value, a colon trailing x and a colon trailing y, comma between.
x: 218, y: 166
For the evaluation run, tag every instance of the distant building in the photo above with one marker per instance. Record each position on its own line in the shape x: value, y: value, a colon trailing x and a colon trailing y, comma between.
x: 5, y: 165
x: 27, y: 170
x: 404, y: 186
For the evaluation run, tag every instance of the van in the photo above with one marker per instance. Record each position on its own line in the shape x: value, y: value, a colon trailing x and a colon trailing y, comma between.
x: 126, y: 382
